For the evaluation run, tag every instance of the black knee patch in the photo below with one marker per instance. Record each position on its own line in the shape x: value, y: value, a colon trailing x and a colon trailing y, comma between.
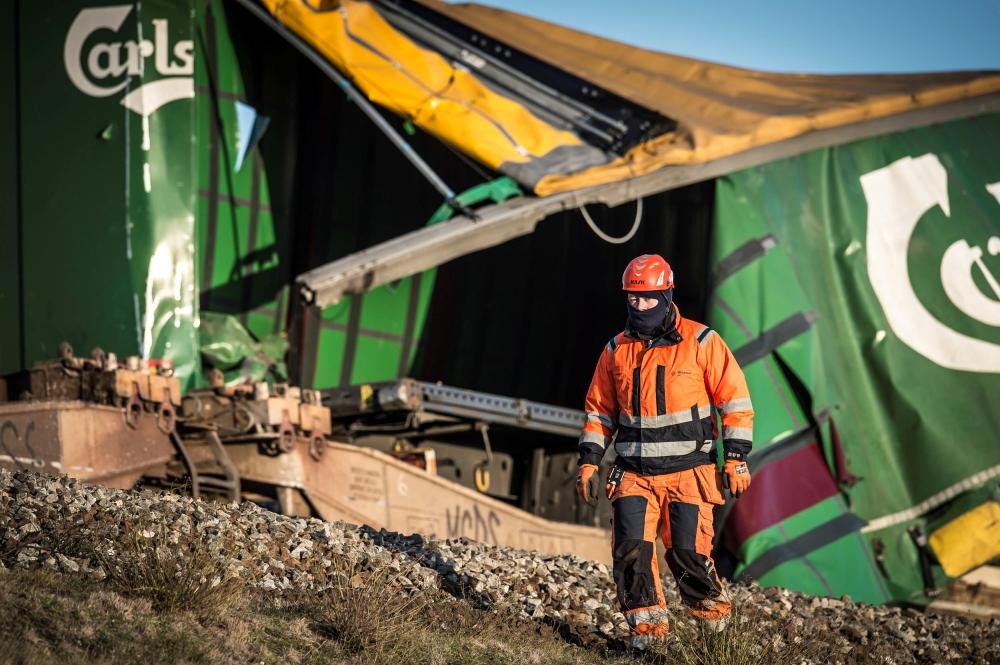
x: 633, y: 556
x: 683, y: 525
x: 629, y: 518
x: 634, y: 573
x: 695, y: 575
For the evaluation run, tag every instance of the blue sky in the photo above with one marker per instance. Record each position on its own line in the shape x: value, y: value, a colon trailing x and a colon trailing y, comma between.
x: 799, y: 36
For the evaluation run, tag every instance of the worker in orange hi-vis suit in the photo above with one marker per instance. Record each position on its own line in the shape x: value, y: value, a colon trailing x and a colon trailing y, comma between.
x: 654, y: 390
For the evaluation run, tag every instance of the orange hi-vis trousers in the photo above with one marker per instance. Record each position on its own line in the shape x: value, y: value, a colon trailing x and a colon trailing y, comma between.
x: 677, y: 507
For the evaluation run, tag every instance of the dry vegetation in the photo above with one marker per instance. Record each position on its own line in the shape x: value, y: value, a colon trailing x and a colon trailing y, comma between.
x: 150, y: 609
x: 161, y: 579
x: 185, y: 575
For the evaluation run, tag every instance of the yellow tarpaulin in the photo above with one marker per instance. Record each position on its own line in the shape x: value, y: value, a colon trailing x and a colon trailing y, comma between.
x: 424, y: 87
x: 969, y: 540
x: 719, y: 110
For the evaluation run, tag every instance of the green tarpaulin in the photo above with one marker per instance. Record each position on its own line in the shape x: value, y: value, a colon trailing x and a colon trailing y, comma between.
x: 858, y: 286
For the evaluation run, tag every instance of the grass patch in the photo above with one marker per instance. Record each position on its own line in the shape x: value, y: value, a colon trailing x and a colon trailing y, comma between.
x: 369, y: 613
x: 741, y: 642
x: 438, y: 629
x: 185, y: 575
x: 364, y: 618
x: 48, y: 617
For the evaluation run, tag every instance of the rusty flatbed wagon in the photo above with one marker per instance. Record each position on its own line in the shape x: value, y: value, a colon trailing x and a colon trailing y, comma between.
x: 276, y: 445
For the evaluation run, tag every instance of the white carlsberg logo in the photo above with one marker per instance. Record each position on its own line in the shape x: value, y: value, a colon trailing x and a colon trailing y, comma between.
x: 106, y: 68
x: 898, y: 195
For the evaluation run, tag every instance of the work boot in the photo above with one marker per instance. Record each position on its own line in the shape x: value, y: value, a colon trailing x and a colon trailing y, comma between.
x: 712, y: 616
x: 714, y: 625
x: 649, y: 636
x: 654, y: 648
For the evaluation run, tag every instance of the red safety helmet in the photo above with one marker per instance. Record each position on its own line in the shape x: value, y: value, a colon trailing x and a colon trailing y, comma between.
x: 649, y: 272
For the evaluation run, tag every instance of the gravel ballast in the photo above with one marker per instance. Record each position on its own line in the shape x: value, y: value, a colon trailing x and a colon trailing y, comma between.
x: 63, y: 525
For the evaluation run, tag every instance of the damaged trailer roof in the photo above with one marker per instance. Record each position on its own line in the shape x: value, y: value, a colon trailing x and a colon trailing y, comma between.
x: 719, y: 110
x: 431, y: 246
x: 558, y: 109
x: 577, y: 118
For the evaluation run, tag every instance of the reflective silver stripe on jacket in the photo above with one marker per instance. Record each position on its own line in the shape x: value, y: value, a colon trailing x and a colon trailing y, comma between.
x: 594, y: 437
x: 607, y: 421
x: 674, y: 418
x: 745, y: 433
x: 660, y: 448
x: 742, y: 404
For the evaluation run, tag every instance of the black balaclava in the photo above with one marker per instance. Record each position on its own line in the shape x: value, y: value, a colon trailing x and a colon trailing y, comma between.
x: 655, y: 321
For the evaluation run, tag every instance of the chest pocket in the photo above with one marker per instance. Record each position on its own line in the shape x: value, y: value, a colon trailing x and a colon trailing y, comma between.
x: 683, y: 387
x: 680, y: 390
x: 680, y: 381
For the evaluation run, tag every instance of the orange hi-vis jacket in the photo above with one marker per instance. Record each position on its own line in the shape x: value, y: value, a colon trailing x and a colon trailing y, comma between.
x: 658, y: 399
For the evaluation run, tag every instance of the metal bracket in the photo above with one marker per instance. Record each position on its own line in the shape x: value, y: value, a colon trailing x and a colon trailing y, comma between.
x: 317, y: 446
x: 286, y: 433
x: 482, y: 470
x: 133, y: 407
x: 166, y: 416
